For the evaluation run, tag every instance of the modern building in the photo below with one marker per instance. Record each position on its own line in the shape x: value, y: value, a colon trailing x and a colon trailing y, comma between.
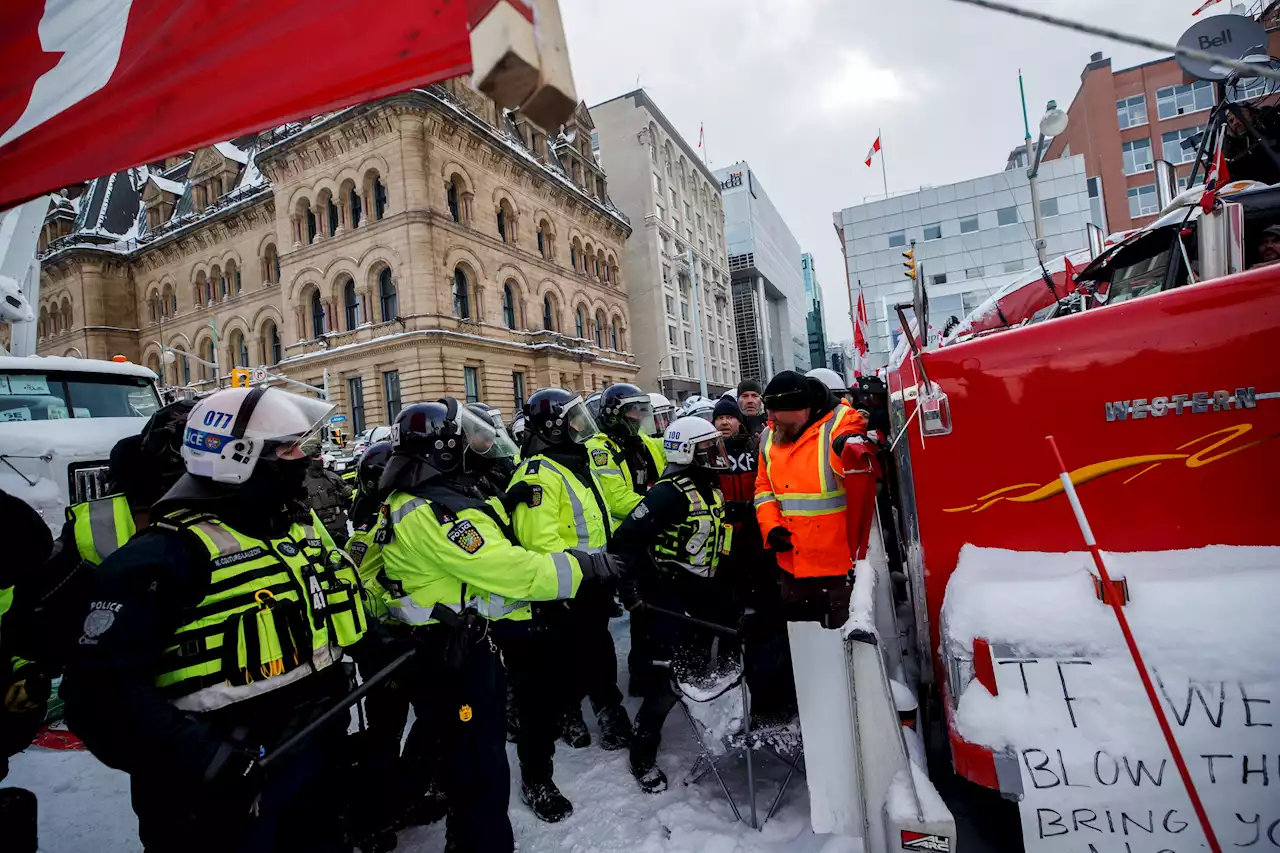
x: 840, y: 358
x: 768, y: 283
x: 815, y: 322
x: 971, y: 238
x: 1123, y: 121
x: 676, y: 262
x: 424, y: 244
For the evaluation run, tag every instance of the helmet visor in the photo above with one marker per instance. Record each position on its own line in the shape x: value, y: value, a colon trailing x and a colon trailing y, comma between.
x: 578, y: 421
x: 710, y: 453
x: 636, y: 414
x: 483, y: 438
x: 661, y: 420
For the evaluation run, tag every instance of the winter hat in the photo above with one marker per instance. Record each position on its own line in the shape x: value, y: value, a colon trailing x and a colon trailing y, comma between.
x: 727, y: 406
x: 748, y: 386
x: 788, y: 392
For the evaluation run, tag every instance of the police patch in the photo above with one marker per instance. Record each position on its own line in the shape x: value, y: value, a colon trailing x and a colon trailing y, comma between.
x: 288, y: 549
x: 640, y: 511
x: 600, y: 457
x: 465, y: 536
x: 536, y: 498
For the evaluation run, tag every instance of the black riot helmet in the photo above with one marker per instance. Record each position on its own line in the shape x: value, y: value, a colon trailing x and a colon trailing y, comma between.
x: 625, y: 411
x: 372, y: 463
x: 430, y: 432
x: 558, y: 418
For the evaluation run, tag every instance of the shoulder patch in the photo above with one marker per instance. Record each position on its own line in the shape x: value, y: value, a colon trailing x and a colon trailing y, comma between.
x: 532, y: 466
x: 465, y: 536
x: 536, y: 498
x: 357, y: 551
x: 600, y: 457
x: 640, y: 511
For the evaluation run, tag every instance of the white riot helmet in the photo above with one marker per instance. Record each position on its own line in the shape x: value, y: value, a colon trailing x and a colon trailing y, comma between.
x: 662, y: 412
x: 694, y: 441
x: 829, y: 378
x: 699, y: 407
x: 230, y: 430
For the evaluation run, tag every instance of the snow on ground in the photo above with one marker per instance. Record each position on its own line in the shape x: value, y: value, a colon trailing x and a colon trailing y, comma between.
x: 84, y: 806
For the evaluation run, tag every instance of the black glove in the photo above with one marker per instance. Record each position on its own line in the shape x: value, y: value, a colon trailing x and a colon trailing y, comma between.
x: 779, y: 539
x: 838, y: 443
x: 735, y: 511
x: 599, y: 567
x: 520, y: 493
x: 629, y: 591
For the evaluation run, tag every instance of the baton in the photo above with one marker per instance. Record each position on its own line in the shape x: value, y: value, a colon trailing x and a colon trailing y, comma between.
x: 702, y: 623
x: 342, y: 707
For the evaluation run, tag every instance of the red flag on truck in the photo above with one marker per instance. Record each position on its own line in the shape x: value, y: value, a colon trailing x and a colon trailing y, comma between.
x: 94, y: 86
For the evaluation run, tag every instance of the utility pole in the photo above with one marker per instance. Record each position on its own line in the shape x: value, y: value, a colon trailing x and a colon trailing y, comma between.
x: 1033, y: 163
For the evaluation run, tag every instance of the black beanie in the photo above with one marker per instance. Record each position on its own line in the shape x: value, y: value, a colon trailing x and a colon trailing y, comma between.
x: 788, y: 392
x: 748, y: 385
x: 727, y: 406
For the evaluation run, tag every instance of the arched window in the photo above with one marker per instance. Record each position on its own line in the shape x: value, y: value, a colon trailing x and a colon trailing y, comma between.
x: 271, y: 265
x: 351, y: 304
x: 153, y: 363
x: 653, y: 142
x: 452, y: 196
x: 317, y: 315
x: 542, y: 242
x: 184, y: 366
x: 353, y: 201
x: 599, y: 329
x: 581, y: 323
x: 153, y: 305
x: 387, y: 296
x: 613, y: 336
x: 461, y: 298
x: 66, y: 314
x: 573, y: 254
x: 509, y: 305
x: 233, y: 278
x: 311, y: 225
x: 271, y: 343
x: 548, y: 314
x: 332, y: 210
x: 503, y: 222
x: 210, y: 355
x: 42, y: 325
x: 168, y: 302
x: 379, y: 198
x: 239, y: 349
x: 220, y: 283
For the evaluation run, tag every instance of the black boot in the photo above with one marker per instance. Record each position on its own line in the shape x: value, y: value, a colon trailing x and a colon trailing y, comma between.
x: 18, y: 816
x: 573, y: 729
x: 429, y: 808
x: 545, y: 799
x: 647, y: 772
x: 615, y: 728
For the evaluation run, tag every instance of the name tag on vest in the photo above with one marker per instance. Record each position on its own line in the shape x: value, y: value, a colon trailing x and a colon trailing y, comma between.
x: 239, y: 557
x: 313, y: 543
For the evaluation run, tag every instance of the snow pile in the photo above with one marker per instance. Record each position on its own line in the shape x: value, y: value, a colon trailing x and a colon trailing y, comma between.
x: 914, y: 797
x: 716, y: 705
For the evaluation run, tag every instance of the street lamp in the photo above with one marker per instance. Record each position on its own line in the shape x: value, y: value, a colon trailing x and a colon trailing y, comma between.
x: 1052, y: 123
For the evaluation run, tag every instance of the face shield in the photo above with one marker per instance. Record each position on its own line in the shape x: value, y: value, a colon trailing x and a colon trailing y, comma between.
x: 578, y: 421
x: 229, y: 431
x: 636, y: 414
x: 483, y: 439
x: 710, y: 453
x: 661, y: 420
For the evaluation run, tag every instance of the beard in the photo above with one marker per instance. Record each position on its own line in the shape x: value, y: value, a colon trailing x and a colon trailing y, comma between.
x: 786, y: 433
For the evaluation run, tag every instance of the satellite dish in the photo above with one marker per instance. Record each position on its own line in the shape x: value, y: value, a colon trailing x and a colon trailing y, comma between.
x: 1229, y: 36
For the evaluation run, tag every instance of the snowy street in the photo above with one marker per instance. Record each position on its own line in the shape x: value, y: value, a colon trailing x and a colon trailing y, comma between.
x: 84, y: 806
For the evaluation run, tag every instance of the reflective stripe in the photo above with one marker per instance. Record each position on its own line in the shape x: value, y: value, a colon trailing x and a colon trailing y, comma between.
x: 609, y: 472
x: 579, y: 514
x: 221, y: 538
x: 397, y: 515
x: 221, y: 695
x: 564, y: 576
x: 826, y: 476
x: 102, y: 526
x: 812, y: 505
x: 410, y: 612
x: 765, y: 498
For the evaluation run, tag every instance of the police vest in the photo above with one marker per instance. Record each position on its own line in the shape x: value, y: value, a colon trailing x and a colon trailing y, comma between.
x: 583, y: 521
x: 273, y: 612
x: 367, y: 555
x: 696, y: 543
x: 101, y: 527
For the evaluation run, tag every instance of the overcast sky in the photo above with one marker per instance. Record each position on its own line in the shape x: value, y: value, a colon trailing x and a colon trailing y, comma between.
x: 798, y: 89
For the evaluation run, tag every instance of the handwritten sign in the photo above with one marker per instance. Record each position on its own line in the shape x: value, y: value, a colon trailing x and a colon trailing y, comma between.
x: 1102, y: 779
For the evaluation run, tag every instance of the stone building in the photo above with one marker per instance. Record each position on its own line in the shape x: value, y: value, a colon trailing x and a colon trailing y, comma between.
x: 424, y: 244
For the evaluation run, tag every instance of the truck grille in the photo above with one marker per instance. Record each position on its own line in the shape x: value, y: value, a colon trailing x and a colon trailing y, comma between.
x: 87, y: 481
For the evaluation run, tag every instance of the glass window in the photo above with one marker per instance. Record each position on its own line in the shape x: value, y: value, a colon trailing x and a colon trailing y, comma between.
x: 933, y: 232
x: 502, y: 224
x: 391, y: 391
x: 548, y: 318
x: 688, y: 341
x: 1142, y: 201
x: 452, y: 199
x: 353, y: 201
x: 1097, y: 214
x: 1137, y: 156
x: 940, y: 278
x: 542, y: 246
x: 517, y: 385
x: 333, y: 217
x: 51, y: 396
x: 580, y: 323
x: 671, y: 305
x: 974, y: 272
x: 671, y: 334
x: 317, y: 315
x: 1131, y: 111
x: 1171, y: 144
x: 355, y: 394
x: 242, y: 350
x: 676, y: 367
x: 1014, y: 266
x: 273, y: 344
x: 379, y: 199
x: 657, y: 186
x: 508, y: 306
x: 968, y: 226
x: 1048, y: 207
x: 471, y: 377
x: 1249, y: 88
x: 1140, y: 279
x: 897, y: 239
x: 387, y: 296
x: 1007, y: 216
x: 351, y: 302
x: 461, y: 299
x: 684, y: 310
x: 1180, y: 100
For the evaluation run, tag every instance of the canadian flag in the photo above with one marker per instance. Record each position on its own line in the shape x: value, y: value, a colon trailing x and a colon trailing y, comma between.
x: 1205, y: 5
x: 860, y: 325
x: 1217, y: 177
x: 94, y: 86
x: 875, y: 146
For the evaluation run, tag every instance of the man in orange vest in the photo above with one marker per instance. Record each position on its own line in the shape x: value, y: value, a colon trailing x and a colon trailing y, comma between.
x: 800, y: 495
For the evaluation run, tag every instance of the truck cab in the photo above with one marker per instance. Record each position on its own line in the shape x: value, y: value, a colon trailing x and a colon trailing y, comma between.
x: 59, y: 419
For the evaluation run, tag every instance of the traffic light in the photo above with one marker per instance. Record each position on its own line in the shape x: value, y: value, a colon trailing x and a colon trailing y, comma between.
x: 909, y: 263
x: 240, y: 377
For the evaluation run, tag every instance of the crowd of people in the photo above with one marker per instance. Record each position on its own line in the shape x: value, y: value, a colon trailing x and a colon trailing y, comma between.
x: 219, y: 617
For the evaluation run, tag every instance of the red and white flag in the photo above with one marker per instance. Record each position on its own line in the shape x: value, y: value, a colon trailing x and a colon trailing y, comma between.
x: 701, y: 134
x: 94, y: 86
x: 1217, y: 177
x: 875, y: 146
x: 1072, y: 273
x: 1205, y: 5
x: 860, y: 325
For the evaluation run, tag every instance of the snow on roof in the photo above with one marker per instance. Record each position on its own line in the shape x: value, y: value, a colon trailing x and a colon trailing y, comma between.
x: 251, y: 177
x: 76, y: 365
x: 231, y: 152
x: 169, y: 186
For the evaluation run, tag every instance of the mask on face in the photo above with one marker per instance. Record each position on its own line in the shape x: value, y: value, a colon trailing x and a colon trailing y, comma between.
x: 283, y: 478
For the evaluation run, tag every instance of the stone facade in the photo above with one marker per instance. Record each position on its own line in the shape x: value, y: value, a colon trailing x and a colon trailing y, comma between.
x: 416, y: 246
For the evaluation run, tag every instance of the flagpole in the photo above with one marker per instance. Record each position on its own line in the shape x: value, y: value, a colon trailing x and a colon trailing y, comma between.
x: 883, y: 174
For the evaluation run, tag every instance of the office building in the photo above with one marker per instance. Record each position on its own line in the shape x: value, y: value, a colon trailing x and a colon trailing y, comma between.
x: 971, y: 238
x: 815, y: 321
x: 420, y: 245
x: 768, y: 283
x: 676, y: 262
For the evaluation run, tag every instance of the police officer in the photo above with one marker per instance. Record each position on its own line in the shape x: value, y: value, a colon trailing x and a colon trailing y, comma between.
x: 674, y: 540
x: 329, y: 496
x: 567, y: 509
x: 453, y: 572
x: 625, y: 458
x: 217, y: 633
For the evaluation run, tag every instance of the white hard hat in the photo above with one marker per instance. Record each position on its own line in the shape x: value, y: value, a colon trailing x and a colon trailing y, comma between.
x: 228, y: 431
x: 830, y: 378
x: 658, y: 401
x: 694, y: 441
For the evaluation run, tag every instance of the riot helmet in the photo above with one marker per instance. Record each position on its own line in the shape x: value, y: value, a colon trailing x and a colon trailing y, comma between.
x: 662, y: 414
x: 372, y: 463
x: 559, y: 418
x: 625, y: 411
x: 694, y: 441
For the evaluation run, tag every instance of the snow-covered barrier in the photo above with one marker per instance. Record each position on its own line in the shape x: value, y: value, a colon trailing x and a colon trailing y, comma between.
x: 1045, y: 681
x: 862, y: 781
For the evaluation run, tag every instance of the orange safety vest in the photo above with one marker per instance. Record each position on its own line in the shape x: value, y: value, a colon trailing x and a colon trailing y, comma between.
x: 800, y: 486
